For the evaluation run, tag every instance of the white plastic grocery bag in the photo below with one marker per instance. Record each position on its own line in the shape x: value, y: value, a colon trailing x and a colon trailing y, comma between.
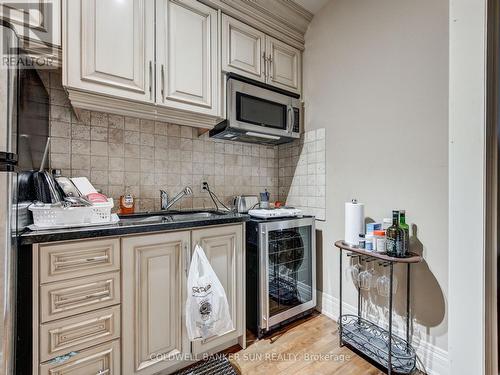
x: 207, y: 310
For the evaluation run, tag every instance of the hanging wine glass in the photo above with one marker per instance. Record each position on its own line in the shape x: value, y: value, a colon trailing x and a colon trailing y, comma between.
x: 366, y: 278
x: 383, y: 285
x: 353, y: 271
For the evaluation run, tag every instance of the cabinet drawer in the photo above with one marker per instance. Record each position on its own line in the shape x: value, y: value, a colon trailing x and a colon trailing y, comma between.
x: 67, y: 298
x: 77, y: 333
x: 100, y: 360
x: 76, y: 259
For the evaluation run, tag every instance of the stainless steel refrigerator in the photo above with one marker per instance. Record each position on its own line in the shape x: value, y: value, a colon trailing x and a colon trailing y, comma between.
x: 24, y: 128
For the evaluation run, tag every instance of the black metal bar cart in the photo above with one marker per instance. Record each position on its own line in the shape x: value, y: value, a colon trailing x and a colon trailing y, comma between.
x: 383, y: 348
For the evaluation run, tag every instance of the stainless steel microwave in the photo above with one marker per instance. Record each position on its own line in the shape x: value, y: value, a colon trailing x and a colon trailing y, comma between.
x: 259, y: 113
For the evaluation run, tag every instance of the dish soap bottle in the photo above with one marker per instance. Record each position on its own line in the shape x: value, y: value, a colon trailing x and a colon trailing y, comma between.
x: 127, y: 203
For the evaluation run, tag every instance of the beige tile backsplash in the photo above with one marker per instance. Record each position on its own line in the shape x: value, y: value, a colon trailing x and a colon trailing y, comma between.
x: 302, y: 173
x: 120, y: 154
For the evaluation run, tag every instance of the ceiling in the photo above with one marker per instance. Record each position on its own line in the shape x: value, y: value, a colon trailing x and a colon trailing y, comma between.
x: 312, y: 5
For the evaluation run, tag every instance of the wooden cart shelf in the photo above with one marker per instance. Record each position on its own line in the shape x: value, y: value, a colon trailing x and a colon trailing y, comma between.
x: 411, y: 258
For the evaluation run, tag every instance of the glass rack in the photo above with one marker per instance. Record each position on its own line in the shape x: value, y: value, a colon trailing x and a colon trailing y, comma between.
x: 380, y: 346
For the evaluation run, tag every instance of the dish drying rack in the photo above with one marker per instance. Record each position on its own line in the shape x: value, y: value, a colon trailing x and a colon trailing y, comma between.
x: 380, y: 346
x: 50, y: 216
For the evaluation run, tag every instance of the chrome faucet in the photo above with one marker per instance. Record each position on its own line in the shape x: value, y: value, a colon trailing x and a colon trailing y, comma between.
x: 163, y: 199
x: 166, y: 203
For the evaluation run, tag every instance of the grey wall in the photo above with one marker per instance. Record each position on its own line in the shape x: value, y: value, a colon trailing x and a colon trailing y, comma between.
x: 376, y: 77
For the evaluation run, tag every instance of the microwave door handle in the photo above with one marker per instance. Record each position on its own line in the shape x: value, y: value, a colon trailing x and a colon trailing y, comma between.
x: 290, y: 119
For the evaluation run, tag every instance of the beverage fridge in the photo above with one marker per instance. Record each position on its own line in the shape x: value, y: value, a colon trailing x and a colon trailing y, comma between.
x: 24, y: 128
x: 280, y: 271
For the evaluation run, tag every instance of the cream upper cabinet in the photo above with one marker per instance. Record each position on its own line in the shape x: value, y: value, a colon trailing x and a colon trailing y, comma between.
x: 243, y: 49
x: 284, y: 64
x: 35, y: 20
x: 188, y: 67
x: 253, y: 54
x: 154, y: 289
x: 224, y: 249
x: 109, y: 47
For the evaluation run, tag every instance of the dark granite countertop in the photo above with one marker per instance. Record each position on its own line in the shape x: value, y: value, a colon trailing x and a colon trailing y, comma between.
x: 134, y: 224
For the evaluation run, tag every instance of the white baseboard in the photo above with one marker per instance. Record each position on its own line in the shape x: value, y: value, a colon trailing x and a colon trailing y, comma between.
x: 431, y: 359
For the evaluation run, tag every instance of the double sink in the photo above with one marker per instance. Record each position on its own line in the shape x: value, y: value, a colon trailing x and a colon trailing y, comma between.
x: 171, y: 216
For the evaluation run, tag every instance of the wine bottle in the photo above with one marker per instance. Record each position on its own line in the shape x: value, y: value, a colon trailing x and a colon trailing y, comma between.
x: 406, y: 228
x: 394, y: 237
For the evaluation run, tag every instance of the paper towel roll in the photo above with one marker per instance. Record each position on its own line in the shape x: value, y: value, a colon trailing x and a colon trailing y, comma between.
x: 354, y: 221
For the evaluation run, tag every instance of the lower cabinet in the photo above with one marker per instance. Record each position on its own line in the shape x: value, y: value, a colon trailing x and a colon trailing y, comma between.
x: 76, y: 308
x: 100, y: 360
x: 125, y: 312
x: 223, y: 247
x: 154, y: 289
x: 154, y: 278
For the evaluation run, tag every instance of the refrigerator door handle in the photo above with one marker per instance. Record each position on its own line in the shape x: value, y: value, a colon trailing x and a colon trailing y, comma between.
x: 8, y: 99
x: 264, y: 277
x: 8, y: 254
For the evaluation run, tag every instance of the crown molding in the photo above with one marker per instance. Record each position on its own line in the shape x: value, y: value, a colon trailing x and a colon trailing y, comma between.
x: 282, y: 19
x: 299, y: 9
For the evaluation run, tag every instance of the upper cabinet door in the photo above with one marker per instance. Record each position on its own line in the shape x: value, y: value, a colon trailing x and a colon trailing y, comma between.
x: 188, y: 67
x: 242, y: 49
x: 284, y: 65
x: 35, y: 20
x: 109, y: 47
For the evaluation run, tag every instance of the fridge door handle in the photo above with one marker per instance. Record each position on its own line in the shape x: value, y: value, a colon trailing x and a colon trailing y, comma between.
x: 264, y: 277
x: 9, y: 77
x: 8, y: 254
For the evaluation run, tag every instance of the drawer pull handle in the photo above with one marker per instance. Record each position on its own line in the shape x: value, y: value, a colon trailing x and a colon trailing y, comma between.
x: 64, y: 301
x: 89, y: 332
x: 102, y: 372
x: 63, y: 358
x: 82, y: 260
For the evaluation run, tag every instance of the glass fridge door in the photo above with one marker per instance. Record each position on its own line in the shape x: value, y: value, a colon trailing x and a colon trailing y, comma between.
x: 290, y: 275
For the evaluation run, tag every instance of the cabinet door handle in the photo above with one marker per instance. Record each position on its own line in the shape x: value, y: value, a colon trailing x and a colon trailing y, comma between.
x: 162, y: 83
x: 270, y: 70
x: 102, y: 372
x: 150, y: 80
x: 187, y: 258
x: 264, y: 57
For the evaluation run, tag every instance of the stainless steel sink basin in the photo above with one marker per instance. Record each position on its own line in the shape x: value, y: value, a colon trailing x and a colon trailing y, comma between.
x: 194, y: 216
x: 149, y: 219
x: 172, y: 216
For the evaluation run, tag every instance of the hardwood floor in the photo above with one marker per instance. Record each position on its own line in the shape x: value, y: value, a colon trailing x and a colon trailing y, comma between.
x: 308, y: 347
